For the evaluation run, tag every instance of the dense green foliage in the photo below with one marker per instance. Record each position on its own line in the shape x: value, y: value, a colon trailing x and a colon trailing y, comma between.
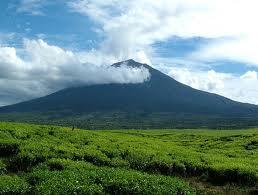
x: 67, y: 176
x: 44, y: 159
x: 13, y: 185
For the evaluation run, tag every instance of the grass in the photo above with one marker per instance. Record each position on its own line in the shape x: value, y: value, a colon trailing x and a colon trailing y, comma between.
x: 49, y: 159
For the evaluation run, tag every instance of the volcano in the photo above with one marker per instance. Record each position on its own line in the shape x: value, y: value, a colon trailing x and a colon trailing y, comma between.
x: 160, y: 98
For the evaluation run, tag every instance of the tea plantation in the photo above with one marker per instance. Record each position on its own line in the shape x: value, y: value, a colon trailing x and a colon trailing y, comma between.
x: 40, y: 159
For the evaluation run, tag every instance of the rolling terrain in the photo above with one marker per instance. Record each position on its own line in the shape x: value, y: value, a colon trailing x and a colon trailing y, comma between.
x: 49, y: 159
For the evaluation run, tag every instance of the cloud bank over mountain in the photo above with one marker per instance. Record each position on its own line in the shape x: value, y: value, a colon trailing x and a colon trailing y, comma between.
x: 241, y: 88
x: 38, y: 69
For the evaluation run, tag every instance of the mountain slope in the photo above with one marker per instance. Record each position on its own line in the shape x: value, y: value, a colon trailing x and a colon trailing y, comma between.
x: 160, y: 94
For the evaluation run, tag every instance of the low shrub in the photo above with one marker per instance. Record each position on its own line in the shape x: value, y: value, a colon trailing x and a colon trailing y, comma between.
x: 13, y: 185
x: 24, y: 162
x: 8, y: 148
x: 83, y: 178
x: 2, y: 167
x: 223, y: 176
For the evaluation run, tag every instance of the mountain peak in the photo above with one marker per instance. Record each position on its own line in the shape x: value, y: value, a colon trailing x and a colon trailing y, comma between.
x: 130, y: 63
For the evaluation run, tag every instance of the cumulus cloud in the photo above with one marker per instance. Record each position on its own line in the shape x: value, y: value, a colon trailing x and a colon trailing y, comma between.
x: 130, y: 28
x: 133, y: 26
x: 239, y: 49
x: 39, y: 69
x: 241, y: 88
x: 250, y: 75
x: 206, y: 81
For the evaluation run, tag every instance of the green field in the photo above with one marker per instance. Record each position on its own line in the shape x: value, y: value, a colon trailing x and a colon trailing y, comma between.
x: 42, y: 159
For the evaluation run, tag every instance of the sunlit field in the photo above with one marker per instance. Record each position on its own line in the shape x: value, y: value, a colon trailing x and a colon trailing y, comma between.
x: 58, y: 160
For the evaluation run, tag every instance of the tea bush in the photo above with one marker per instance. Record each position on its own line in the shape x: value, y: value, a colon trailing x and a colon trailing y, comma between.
x: 219, y: 157
x: 72, y: 177
x: 8, y: 148
x: 2, y: 167
x: 13, y: 185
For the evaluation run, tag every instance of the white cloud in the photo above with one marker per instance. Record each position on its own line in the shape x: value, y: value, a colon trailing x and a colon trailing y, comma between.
x: 241, y: 88
x: 239, y: 49
x: 250, y: 75
x: 38, y: 69
x: 206, y: 81
x: 133, y: 26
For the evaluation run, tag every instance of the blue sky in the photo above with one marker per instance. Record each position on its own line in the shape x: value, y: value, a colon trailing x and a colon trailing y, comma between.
x: 54, y: 22
x: 203, y: 43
